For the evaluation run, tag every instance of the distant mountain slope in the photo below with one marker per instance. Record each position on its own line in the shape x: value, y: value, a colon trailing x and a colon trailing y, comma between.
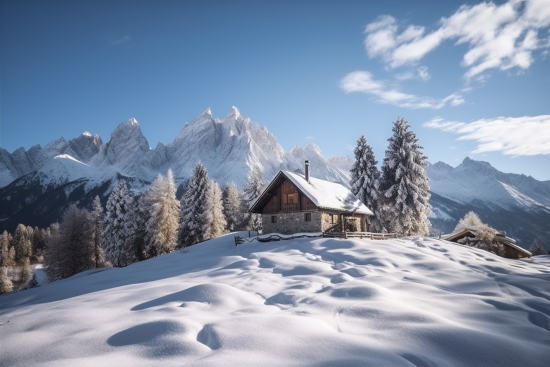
x: 517, y: 204
x: 229, y: 149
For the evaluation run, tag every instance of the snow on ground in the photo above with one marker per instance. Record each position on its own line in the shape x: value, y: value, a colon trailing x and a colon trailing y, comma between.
x: 301, y: 302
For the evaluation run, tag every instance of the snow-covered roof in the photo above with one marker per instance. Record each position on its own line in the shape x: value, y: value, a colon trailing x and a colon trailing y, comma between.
x: 500, y: 236
x: 324, y: 194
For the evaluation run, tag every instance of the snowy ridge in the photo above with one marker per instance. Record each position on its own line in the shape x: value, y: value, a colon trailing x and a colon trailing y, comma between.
x: 300, y: 302
x: 478, y: 181
x: 229, y: 148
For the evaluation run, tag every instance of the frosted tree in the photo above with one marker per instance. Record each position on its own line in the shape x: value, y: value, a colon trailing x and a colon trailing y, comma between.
x: 97, y: 232
x: 252, y: 221
x: 39, y: 239
x: 6, y: 284
x: 217, y: 220
x: 118, y: 224
x: 536, y: 248
x: 403, y: 184
x: 484, y: 234
x: 70, y: 249
x: 195, y: 206
x: 472, y: 222
x: 22, y: 242
x: 232, y: 204
x: 163, y: 220
x: 364, y: 177
x: 5, y: 242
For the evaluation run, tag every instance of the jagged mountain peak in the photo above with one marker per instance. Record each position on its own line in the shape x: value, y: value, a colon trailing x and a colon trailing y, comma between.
x: 312, y: 147
x: 233, y: 114
x: 130, y: 122
x: 442, y: 165
x: 297, y: 150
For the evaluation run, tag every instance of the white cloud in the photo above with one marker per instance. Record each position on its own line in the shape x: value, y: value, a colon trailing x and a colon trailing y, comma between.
x: 515, y: 136
x: 420, y: 73
x: 498, y: 36
x: 363, y: 82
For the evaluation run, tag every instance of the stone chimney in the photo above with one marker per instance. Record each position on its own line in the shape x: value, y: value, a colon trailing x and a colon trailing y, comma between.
x: 307, y: 171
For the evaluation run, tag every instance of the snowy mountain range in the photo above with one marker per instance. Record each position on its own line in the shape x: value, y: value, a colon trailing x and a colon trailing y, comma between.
x: 228, y: 148
x: 38, y: 184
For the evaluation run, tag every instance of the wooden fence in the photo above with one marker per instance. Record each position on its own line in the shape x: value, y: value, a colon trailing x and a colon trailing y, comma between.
x: 275, y: 237
x: 365, y: 235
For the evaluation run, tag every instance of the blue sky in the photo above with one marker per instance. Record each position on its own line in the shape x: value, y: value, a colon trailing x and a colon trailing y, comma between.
x: 473, y: 79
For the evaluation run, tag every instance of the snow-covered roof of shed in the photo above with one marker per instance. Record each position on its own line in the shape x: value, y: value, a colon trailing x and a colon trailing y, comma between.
x: 328, y: 195
x: 500, y: 236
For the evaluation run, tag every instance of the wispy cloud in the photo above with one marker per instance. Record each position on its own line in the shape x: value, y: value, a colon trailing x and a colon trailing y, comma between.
x: 120, y: 40
x: 515, y: 136
x: 420, y: 73
x: 362, y: 81
x: 498, y: 36
x: 309, y: 137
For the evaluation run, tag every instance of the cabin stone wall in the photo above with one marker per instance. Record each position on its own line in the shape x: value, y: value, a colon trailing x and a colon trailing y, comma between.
x: 292, y: 222
x: 328, y: 221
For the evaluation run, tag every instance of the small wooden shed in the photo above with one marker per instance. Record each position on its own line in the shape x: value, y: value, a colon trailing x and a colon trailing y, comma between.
x: 294, y: 203
x: 512, y: 251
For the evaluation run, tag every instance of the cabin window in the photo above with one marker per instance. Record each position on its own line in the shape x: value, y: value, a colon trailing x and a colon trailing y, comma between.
x: 307, y: 217
x: 333, y: 218
x: 273, y: 219
x: 290, y: 198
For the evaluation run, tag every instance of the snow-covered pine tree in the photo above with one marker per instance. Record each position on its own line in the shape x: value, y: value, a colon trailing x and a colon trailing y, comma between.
x: 97, y: 232
x: 218, y: 224
x: 403, y: 184
x: 364, y: 177
x: 164, y: 209
x: 251, y: 192
x: 118, y: 224
x: 536, y: 248
x: 194, y: 217
x: 232, y: 203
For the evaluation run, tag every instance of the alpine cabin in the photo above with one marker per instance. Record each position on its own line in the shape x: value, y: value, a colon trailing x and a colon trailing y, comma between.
x: 294, y: 203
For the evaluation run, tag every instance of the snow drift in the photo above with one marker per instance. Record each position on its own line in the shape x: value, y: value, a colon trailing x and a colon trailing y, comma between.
x: 301, y: 302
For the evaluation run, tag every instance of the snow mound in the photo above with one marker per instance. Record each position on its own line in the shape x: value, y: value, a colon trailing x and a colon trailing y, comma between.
x: 299, y: 302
